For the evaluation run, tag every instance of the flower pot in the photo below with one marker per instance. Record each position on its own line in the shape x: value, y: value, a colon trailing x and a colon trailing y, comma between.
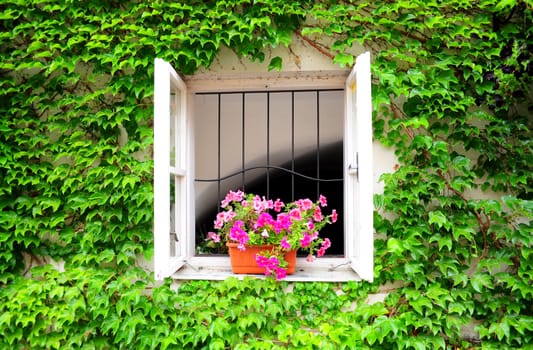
x: 243, y: 261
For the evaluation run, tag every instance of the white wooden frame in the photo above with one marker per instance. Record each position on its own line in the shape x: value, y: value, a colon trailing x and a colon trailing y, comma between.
x: 358, y: 261
x: 358, y: 176
x: 169, y: 89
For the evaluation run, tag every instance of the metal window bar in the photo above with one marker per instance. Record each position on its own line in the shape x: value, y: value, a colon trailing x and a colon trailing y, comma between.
x: 219, y: 147
x: 317, y: 143
x: 268, y: 143
x: 268, y: 166
x: 292, y: 145
x: 243, y: 154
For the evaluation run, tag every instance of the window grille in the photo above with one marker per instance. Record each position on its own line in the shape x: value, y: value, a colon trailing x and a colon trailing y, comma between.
x: 311, y: 158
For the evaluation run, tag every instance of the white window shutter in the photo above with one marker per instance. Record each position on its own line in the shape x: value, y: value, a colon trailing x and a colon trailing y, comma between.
x: 358, y: 170
x: 170, y: 170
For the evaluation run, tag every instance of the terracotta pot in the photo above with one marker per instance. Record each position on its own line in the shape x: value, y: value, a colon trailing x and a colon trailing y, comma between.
x: 243, y: 261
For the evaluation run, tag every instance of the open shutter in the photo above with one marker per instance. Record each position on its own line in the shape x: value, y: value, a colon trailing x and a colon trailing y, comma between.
x: 358, y: 178
x: 170, y: 170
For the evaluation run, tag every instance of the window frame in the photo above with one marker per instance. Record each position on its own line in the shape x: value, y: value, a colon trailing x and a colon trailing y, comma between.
x: 357, y: 263
x: 166, y: 80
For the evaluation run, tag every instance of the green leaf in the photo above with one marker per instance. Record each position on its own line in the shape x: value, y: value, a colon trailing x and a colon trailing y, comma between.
x: 442, y: 241
x: 502, y: 330
x: 416, y: 77
x: 461, y: 163
x: 217, y: 344
x: 395, y: 246
x: 309, y: 31
x: 463, y: 231
x: 439, y: 219
x: 344, y: 60
x: 276, y: 63
x: 480, y: 282
x: 219, y: 327
x: 505, y: 3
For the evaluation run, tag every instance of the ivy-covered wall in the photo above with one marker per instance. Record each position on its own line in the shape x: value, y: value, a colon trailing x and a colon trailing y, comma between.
x: 451, y: 90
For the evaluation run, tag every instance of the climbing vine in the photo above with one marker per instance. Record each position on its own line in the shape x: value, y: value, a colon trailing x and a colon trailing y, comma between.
x: 451, y: 91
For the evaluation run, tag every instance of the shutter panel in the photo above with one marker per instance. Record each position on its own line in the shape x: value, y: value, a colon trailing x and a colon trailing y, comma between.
x: 358, y: 173
x: 170, y: 170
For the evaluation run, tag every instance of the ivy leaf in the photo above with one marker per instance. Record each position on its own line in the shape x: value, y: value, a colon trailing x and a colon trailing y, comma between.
x: 505, y: 3
x: 442, y: 241
x: 463, y: 231
x: 276, y: 63
x: 461, y: 163
x: 501, y: 330
x: 218, y: 327
x: 344, y: 60
x: 394, y: 245
x: 416, y: 77
x: 439, y: 219
x: 480, y: 281
x: 308, y: 31
x: 217, y: 344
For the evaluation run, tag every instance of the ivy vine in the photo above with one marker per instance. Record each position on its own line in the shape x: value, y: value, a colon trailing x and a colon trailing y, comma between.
x: 451, y: 92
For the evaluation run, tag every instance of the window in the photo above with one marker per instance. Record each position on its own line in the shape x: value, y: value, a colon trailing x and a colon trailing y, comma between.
x: 174, y: 179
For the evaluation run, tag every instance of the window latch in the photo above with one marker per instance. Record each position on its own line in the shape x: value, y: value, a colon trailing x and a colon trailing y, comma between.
x: 354, y: 169
x: 174, y: 236
x: 173, y: 243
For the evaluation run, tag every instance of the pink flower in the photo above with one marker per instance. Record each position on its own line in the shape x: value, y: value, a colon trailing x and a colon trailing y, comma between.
x: 261, y: 204
x: 284, y: 244
x: 295, y: 214
x: 229, y: 216
x: 262, y: 261
x: 320, y: 252
x: 333, y: 215
x: 232, y: 196
x: 306, y: 240
x: 278, y: 205
x: 219, y: 223
x: 238, y: 234
x: 257, y: 204
x: 327, y: 243
x: 283, y: 222
x: 280, y: 273
x: 273, y: 262
x: 264, y: 219
x: 310, y: 225
x: 317, y: 215
x: 310, y: 258
x: 304, y: 204
x: 271, y: 265
x: 213, y: 236
x: 323, y: 201
x: 223, y: 217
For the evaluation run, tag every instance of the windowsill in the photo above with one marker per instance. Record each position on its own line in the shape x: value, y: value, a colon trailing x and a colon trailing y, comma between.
x: 218, y: 268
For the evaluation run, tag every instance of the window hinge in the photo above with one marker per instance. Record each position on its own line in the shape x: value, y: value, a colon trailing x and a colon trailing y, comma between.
x: 191, y: 266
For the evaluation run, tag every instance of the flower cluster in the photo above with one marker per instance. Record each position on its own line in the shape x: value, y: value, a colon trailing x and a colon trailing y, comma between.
x: 251, y: 220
